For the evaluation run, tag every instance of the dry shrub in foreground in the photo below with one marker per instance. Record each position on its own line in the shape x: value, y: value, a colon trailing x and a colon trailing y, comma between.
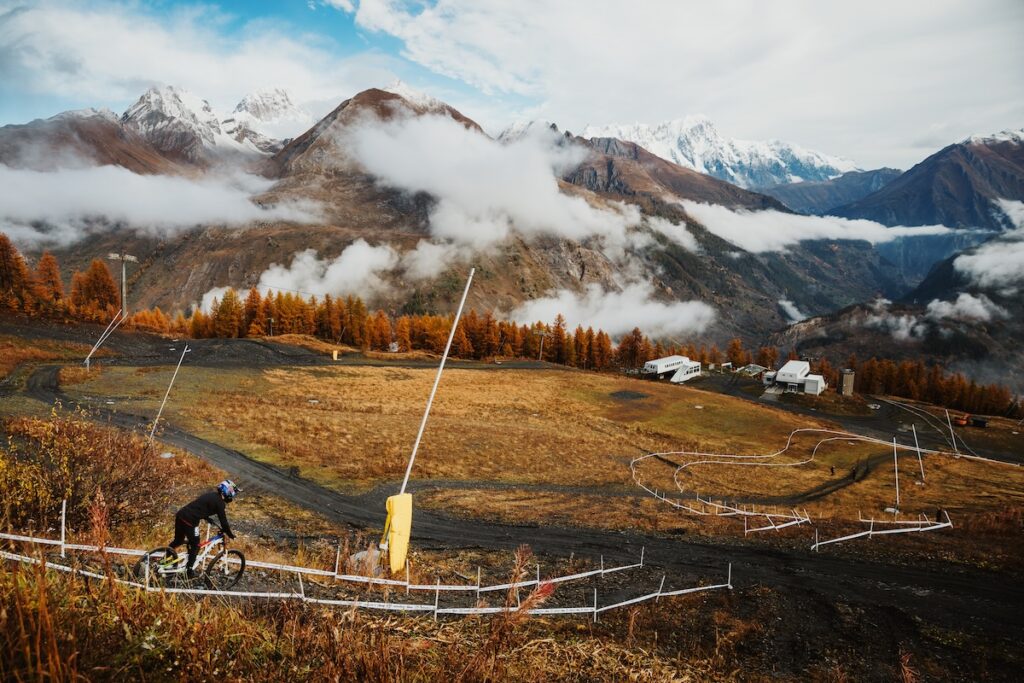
x: 67, y: 457
x: 58, y: 627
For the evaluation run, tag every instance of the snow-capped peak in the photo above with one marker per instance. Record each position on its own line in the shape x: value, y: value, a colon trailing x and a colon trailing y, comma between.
x: 182, y: 124
x: 416, y: 98
x: 266, y: 117
x: 171, y: 103
x: 694, y: 142
x: 1014, y: 136
x: 267, y: 104
x: 520, y: 129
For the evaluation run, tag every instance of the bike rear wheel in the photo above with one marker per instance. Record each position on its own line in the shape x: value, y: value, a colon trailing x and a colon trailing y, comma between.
x: 155, y: 560
x: 225, y: 570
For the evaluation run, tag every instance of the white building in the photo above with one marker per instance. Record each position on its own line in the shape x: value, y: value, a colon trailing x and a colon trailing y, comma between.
x: 796, y: 376
x: 677, y: 368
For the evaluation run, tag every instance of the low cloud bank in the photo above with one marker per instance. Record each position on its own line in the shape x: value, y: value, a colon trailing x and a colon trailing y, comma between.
x: 679, y: 234
x: 902, y: 327
x: 967, y: 307
x: 356, y: 270
x: 61, y: 207
x: 619, y: 312
x: 765, y: 231
x: 792, y: 313
x: 1000, y: 262
x: 485, y: 189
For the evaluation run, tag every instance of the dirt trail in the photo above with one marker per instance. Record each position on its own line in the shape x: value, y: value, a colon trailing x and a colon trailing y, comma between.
x: 985, y: 602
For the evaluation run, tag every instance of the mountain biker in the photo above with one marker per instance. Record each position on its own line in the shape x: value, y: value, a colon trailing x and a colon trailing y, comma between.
x: 186, y: 521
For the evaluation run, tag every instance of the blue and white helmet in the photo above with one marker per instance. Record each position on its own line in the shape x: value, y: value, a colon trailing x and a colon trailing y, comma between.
x: 228, y: 489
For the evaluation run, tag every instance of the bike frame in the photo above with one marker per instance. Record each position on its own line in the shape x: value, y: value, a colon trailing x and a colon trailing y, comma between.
x: 205, y: 550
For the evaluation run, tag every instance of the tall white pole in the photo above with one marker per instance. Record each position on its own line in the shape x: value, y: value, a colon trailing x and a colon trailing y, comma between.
x: 124, y: 286
x: 952, y: 434
x: 896, y: 468
x: 437, y: 380
x: 111, y: 326
x: 917, y: 447
x: 167, y: 393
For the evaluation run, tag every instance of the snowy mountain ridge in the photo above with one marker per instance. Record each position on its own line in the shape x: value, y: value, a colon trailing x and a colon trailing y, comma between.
x: 183, y: 124
x: 694, y: 142
x: 1012, y: 136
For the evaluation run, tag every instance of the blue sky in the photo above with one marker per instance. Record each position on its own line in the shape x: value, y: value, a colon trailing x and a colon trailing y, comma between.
x: 879, y: 82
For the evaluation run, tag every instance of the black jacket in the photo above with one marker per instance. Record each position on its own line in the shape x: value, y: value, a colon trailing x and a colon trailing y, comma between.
x: 204, y: 506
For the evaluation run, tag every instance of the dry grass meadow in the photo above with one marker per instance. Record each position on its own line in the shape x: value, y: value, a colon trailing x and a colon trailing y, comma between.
x: 15, y: 350
x: 549, y: 446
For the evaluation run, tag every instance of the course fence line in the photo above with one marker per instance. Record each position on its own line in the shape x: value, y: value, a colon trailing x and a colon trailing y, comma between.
x: 335, y: 575
x: 775, y: 519
x: 903, y: 528
x: 434, y: 608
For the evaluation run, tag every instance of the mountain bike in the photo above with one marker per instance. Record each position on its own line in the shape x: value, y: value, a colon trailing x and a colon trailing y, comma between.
x: 167, y: 567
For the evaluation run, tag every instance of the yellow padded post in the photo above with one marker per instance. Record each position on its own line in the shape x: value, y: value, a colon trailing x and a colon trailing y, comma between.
x: 399, y: 509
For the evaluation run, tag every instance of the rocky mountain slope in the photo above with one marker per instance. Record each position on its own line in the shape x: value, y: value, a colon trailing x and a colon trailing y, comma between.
x: 820, y: 197
x: 957, y: 186
x: 967, y: 315
x: 80, y: 138
x: 694, y: 142
x: 673, y: 254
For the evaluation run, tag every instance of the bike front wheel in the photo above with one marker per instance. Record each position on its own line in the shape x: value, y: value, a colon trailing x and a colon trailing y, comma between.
x: 225, y: 570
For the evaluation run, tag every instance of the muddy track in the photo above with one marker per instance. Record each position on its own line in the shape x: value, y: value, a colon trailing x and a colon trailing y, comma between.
x: 857, y: 473
x: 936, y: 592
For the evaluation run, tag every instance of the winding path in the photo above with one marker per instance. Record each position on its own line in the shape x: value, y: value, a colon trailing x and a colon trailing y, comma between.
x: 986, y: 601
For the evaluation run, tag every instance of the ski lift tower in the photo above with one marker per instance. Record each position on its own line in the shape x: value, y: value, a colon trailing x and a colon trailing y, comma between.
x: 124, y: 259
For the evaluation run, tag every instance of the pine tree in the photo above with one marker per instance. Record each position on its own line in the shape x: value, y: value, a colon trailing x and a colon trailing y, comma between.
x: 94, y: 291
x: 49, y: 286
x: 14, y: 276
x: 227, y: 316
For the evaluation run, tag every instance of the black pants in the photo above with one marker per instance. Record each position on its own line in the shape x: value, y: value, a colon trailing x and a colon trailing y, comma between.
x: 188, y: 534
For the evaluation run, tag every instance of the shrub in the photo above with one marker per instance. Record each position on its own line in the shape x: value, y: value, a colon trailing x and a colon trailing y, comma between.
x: 67, y: 457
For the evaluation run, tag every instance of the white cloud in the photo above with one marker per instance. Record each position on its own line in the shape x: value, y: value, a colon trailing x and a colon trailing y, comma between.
x: 619, y: 312
x: 61, y: 207
x: 484, y: 189
x: 761, y: 231
x: 876, y: 85
x: 793, y: 313
x: 994, y: 264
x: 430, y: 259
x: 357, y: 270
x: 902, y: 327
x: 109, y: 53
x: 677, y: 233
x: 1000, y: 262
x: 966, y: 307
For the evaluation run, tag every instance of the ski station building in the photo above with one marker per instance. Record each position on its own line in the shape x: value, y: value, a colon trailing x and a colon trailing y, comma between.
x: 678, y: 369
x: 795, y: 376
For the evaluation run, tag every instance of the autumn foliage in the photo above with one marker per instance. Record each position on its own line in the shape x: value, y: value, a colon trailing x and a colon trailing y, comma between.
x: 94, y: 296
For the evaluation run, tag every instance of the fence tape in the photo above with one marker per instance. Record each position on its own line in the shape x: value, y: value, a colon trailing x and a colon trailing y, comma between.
x: 435, y: 608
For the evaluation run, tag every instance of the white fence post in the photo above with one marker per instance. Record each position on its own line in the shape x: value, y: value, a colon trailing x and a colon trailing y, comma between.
x: 63, y: 525
x: 917, y: 447
x: 896, y: 469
